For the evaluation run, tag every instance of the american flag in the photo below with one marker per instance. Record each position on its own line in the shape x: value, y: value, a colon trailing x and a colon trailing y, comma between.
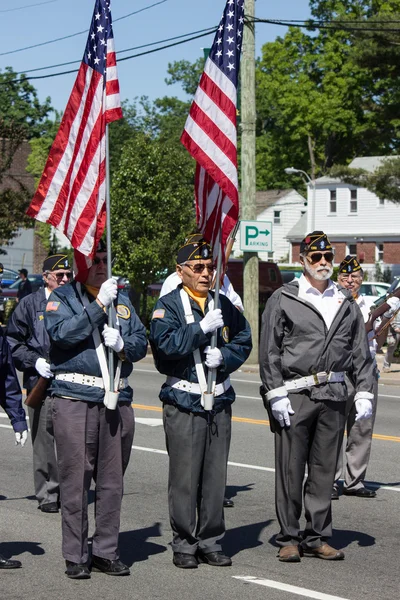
x: 210, y: 132
x: 72, y: 190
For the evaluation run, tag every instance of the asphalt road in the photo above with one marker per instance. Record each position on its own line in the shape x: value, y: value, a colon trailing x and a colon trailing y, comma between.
x: 365, y: 529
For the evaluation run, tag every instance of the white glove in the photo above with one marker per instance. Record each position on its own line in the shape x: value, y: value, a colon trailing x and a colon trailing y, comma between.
x: 212, y: 321
x: 281, y: 409
x: 112, y: 338
x: 394, y: 304
x: 21, y: 437
x: 108, y: 292
x: 43, y: 368
x: 364, y: 409
x: 214, y: 357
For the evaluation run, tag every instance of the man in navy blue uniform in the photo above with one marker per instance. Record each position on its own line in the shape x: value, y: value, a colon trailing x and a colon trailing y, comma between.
x: 11, y: 403
x: 197, y: 434
x: 30, y: 345
x: 92, y: 441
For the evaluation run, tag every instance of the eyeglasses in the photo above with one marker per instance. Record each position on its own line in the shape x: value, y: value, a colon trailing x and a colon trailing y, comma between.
x: 60, y: 275
x: 97, y: 261
x: 349, y: 276
x: 317, y: 256
x: 199, y: 267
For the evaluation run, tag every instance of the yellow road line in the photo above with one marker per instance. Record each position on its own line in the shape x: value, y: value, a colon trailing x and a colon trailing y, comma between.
x: 376, y: 436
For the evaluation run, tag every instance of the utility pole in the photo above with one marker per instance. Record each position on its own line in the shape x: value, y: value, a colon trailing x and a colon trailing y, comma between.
x: 248, y: 155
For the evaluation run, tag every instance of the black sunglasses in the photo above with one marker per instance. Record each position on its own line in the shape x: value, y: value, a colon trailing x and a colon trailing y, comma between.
x: 316, y: 257
x: 97, y: 261
x: 199, y: 267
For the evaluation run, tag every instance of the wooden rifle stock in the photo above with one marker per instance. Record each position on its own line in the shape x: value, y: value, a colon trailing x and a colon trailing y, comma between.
x: 378, y: 312
x: 38, y: 393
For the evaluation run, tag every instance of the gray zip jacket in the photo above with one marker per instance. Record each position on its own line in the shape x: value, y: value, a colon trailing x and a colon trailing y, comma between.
x: 295, y: 342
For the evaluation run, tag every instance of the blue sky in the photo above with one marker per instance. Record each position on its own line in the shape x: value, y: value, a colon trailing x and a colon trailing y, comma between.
x: 139, y: 76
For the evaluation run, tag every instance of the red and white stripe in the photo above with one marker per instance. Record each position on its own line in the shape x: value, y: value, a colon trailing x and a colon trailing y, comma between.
x: 72, y: 191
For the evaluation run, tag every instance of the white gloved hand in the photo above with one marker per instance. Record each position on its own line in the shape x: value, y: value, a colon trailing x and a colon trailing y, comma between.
x: 364, y: 409
x: 214, y: 357
x: 281, y: 409
x: 21, y: 437
x: 108, y: 292
x: 212, y: 321
x: 43, y: 368
x: 112, y: 338
x: 394, y: 304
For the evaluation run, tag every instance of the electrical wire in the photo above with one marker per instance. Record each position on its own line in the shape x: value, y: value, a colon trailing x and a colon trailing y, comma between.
x: 66, y: 37
x: 6, y: 10
x: 311, y: 25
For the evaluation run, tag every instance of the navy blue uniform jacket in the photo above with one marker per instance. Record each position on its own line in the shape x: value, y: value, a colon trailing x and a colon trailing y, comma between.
x: 10, y: 390
x: 28, y: 337
x: 70, y: 327
x: 173, y: 342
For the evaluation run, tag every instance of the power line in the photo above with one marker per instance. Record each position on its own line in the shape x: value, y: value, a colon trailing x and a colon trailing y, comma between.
x: 27, y: 6
x: 119, y: 52
x: 66, y: 37
x: 315, y: 25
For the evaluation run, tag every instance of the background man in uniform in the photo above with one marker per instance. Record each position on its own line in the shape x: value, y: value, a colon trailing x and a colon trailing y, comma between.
x: 11, y: 403
x: 25, y: 287
x: 92, y: 441
x: 197, y: 440
x: 311, y: 334
x: 359, y: 432
x: 393, y: 336
x: 30, y: 346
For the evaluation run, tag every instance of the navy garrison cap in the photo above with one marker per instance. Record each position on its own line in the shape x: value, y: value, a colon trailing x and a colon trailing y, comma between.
x: 194, y: 248
x: 349, y: 265
x: 56, y: 262
x: 315, y: 241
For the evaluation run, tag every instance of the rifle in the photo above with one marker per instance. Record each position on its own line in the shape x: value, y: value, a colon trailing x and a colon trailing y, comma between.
x: 38, y: 393
x: 379, y: 310
x: 228, y: 250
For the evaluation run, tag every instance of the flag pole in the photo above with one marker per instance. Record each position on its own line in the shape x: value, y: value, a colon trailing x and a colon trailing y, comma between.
x: 212, y: 373
x: 109, y: 265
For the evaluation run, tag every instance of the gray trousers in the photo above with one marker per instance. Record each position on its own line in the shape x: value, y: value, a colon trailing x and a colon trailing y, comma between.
x: 198, y: 458
x: 313, y: 440
x: 45, y: 472
x: 92, y: 443
x: 358, y: 443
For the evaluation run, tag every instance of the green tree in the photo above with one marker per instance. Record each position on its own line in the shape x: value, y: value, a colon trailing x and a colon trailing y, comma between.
x: 151, y: 209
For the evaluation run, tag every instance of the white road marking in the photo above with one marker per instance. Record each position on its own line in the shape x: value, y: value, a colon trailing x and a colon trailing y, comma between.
x: 5, y: 426
x: 149, y: 422
x: 293, y: 589
x: 258, y: 381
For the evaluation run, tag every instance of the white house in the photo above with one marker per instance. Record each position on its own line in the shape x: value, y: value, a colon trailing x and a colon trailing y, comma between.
x: 283, y: 208
x: 355, y: 219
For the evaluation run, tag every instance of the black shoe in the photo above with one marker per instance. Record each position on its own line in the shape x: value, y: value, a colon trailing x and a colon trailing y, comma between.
x: 228, y: 503
x: 77, y: 570
x: 215, y: 559
x: 185, y: 561
x: 50, y: 507
x: 109, y: 567
x: 363, y: 492
x: 5, y: 563
x: 335, y: 494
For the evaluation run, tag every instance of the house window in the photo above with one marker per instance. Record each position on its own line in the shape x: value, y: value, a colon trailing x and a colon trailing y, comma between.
x: 379, y: 252
x: 381, y: 201
x: 277, y: 217
x: 353, y: 202
x: 332, y: 202
x: 353, y: 249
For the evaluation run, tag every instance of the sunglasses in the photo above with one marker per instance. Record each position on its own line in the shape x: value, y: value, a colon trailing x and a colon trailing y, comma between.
x: 61, y: 275
x: 317, y: 256
x: 97, y: 261
x: 199, y: 268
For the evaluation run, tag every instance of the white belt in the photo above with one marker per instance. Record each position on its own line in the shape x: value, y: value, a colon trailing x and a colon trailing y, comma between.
x: 89, y: 380
x: 312, y: 380
x: 194, y: 388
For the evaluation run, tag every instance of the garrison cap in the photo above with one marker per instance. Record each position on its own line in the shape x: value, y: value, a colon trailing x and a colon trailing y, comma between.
x: 349, y: 265
x: 317, y: 240
x: 101, y: 246
x: 194, y: 248
x: 56, y: 262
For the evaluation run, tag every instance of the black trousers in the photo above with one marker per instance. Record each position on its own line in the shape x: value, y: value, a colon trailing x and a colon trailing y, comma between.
x: 313, y: 440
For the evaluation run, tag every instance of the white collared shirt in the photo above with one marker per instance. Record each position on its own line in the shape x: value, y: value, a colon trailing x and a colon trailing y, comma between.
x: 327, y: 303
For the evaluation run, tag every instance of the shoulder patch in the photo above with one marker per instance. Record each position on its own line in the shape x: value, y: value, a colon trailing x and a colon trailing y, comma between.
x: 159, y: 313
x: 52, y: 306
x: 123, y: 311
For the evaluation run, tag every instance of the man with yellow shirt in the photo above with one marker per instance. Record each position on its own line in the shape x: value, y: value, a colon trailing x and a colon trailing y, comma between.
x: 197, y: 434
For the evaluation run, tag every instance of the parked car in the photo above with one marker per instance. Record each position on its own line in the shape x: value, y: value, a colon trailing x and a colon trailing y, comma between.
x: 269, y: 276
x: 8, y: 296
x: 9, y: 277
x: 289, y: 275
x: 372, y: 290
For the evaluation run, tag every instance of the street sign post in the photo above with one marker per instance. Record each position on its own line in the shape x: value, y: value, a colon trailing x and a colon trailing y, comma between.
x: 256, y: 236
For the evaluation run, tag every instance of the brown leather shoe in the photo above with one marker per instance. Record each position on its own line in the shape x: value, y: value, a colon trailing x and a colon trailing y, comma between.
x: 289, y: 554
x: 325, y: 552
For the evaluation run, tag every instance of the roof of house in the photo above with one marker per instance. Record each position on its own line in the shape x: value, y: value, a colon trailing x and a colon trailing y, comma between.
x: 267, y: 198
x: 369, y: 163
x: 298, y: 231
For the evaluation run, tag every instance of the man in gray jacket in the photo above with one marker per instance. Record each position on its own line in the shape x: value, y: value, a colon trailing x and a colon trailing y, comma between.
x: 311, y: 334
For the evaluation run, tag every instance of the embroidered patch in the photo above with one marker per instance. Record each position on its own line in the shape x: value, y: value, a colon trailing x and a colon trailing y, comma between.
x: 52, y: 306
x: 225, y: 334
x: 41, y: 317
x: 123, y: 311
x: 158, y: 314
